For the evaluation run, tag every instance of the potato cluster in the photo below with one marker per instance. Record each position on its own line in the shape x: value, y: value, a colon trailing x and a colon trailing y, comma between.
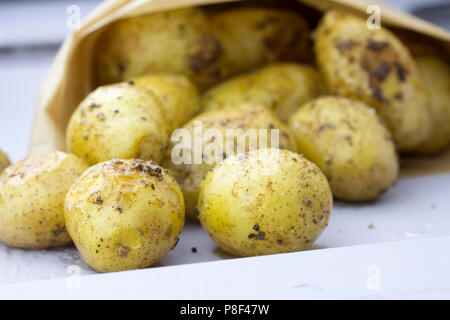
x: 217, y: 114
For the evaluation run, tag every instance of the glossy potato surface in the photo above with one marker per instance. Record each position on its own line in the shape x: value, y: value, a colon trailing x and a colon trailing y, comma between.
x: 179, y: 97
x: 373, y: 66
x: 32, y: 195
x: 124, y: 214
x: 239, y: 119
x: 264, y: 202
x: 436, y: 76
x: 350, y: 144
x: 281, y: 87
x: 118, y: 121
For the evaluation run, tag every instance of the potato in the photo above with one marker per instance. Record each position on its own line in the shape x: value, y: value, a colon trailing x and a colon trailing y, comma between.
x: 124, y: 214
x: 264, y: 202
x: 180, y: 100
x: 176, y: 41
x: 282, y: 87
x: 347, y: 140
x: 118, y: 121
x: 190, y: 172
x: 4, y: 161
x: 32, y: 195
x: 373, y: 66
x: 207, y: 49
x: 436, y: 76
x: 253, y: 37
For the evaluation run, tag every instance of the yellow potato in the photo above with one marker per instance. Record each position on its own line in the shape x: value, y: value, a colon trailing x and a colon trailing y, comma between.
x: 253, y: 37
x: 349, y: 143
x: 205, y: 48
x: 124, y: 214
x: 4, y: 161
x: 282, y: 87
x: 373, y: 66
x: 179, y: 97
x: 32, y: 195
x: 118, y: 121
x: 264, y: 202
x: 191, y: 172
x: 176, y: 41
x: 436, y: 76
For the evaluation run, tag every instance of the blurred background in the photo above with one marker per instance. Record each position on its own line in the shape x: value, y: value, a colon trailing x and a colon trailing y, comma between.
x: 31, y: 32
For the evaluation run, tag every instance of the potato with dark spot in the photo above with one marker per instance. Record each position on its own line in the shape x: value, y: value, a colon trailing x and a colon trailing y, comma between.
x: 118, y: 121
x: 347, y: 140
x: 281, y: 87
x: 179, y: 97
x: 264, y: 202
x: 205, y: 48
x: 253, y: 37
x: 250, y: 128
x: 124, y: 214
x: 176, y: 41
x: 4, y: 161
x: 32, y: 195
x: 373, y: 66
x: 436, y: 76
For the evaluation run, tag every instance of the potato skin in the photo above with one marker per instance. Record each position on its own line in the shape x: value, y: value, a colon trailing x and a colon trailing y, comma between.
x: 264, y: 202
x: 124, y: 214
x: 118, y: 121
x: 436, y: 76
x: 373, y: 66
x: 179, y: 97
x: 190, y: 176
x: 255, y: 36
x: 32, y: 195
x: 176, y: 41
x: 349, y: 143
x: 4, y: 161
x: 282, y: 87
x: 205, y: 48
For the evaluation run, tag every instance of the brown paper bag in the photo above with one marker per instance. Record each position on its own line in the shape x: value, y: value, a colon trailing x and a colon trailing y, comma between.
x: 70, y: 77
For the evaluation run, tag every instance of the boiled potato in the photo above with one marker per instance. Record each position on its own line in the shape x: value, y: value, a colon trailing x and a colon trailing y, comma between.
x: 191, y: 168
x: 180, y: 100
x: 373, y: 66
x: 436, y: 76
x: 32, y: 195
x: 177, y: 41
x: 124, y: 214
x: 264, y: 202
x: 4, y: 161
x: 282, y: 87
x: 252, y: 37
x: 118, y: 121
x: 205, y: 48
x: 347, y: 140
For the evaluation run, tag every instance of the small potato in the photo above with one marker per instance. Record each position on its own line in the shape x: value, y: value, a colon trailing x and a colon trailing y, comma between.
x: 124, y: 214
x: 176, y: 41
x: 205, y: 48
x: 121, y: 120
x: 347, y: 140
x: 253, y: 37
x: 436, y: 76
x: 373, y: 66
x: 4, y: 161
x: 264, y: 202
x: 32, y: 195
x: 179, y: 97
x: 190, y: 172
x: 282, y: 87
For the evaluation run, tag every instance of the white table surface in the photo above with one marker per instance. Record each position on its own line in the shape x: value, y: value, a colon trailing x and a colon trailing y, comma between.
x: 403, y: 239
